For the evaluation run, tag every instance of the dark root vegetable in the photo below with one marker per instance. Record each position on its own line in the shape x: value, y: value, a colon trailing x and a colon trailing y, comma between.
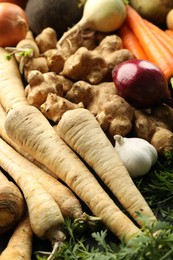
x: 141, y: 83
x: 13, y: 24
x: 57, y: 14
x: 21, y: 3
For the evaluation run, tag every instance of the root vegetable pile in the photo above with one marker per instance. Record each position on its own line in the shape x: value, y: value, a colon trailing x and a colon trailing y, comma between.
x: 59, y: 113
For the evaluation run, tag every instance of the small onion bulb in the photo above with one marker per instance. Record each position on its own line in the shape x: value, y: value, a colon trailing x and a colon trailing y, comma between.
x: 137, y: 154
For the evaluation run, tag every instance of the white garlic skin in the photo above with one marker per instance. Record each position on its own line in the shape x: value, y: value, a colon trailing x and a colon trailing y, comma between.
x: 137, y: 154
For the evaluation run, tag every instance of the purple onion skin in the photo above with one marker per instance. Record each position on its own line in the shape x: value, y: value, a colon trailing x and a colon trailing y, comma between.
x: 140, y: 83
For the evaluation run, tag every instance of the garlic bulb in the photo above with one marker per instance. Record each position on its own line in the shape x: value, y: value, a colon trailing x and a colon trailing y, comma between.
x: 137, y: 154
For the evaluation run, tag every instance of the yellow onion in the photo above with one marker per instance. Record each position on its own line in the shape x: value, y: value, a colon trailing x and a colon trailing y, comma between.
x: 13, y: 24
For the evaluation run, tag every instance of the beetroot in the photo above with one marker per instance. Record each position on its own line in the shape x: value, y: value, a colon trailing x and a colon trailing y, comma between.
x: 58, y: 14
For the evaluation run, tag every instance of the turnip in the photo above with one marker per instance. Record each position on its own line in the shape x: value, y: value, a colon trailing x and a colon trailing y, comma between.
x: 103, y: 15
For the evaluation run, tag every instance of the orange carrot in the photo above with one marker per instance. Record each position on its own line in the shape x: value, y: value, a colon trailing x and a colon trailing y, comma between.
x: 19, y: 246
x: 160, y: 35
x: 82, y: 132
x: 130, y: 42
x: 12, y: 204
x: 169, y: 33
x: 155, y: 51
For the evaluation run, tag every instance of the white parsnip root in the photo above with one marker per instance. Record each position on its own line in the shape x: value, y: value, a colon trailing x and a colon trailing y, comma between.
x: 11, y: 85
x: 44, y: 213
x: 34, y: 134
x: 81, y: 131
x: 6, y: 138
x: 19, y: 246
x: 67, y: 201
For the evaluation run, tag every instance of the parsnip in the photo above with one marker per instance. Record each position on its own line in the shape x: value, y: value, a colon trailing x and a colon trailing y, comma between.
x: 19, y: 246
x: 81, y: 131
x: 63, y: 196
x: 44, y: 213
x: 12, y: 204
x: 35, y: 135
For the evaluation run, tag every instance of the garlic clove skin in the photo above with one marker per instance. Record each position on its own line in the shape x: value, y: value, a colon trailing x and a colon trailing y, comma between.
x: 137, y: 154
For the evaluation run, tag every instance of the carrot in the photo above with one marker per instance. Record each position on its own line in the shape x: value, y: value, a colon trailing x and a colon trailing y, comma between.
x: 27, y: 126
x: 63, y: 196
x: 80, y: 129
x: 12, y: 204
x: 154, y: 49
x: 19, y: 246
x: 44, y: 213
x: 160, y: 35
x: 169, y: 33
x: 131, y: 42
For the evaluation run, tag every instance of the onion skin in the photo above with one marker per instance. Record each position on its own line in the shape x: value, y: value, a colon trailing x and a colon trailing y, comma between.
x: 13, y: 24
x: 140, y: 83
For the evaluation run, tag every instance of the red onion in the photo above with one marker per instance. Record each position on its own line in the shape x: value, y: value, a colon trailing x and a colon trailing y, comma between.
x: 141, y: 83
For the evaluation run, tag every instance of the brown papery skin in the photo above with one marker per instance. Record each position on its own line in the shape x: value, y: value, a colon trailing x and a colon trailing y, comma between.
x: 13, y: 24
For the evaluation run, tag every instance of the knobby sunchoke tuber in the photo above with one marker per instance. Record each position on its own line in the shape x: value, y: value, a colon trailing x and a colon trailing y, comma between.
x: 39, y: 85
x: 112, y: 112
x: 47, y: 39
x: 38, y: 63
x: 55, y: 60
x: 85, y: 65
x: 89, y: 39
x: 55, y: 106
x: 155, y: 127
x: 94, y: 66
x: 115, y: 115
x: 78, y: 73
